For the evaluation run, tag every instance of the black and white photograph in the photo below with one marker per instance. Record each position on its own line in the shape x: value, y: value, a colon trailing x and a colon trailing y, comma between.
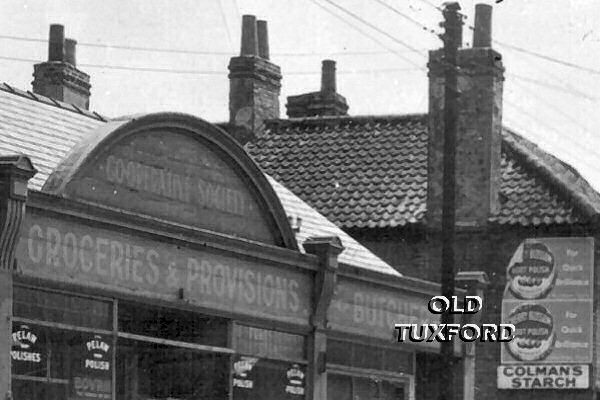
x: 299, y: 199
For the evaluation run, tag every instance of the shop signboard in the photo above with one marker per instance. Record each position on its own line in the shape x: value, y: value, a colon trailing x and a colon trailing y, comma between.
x: 68, y: 251
x: 92, y: 376
x: 259, y: 378
x: 549, y: 299
x: 544, y: 376
x: 267, y: 343
x: 173, y: 176
x: 28, y: 350
x: 370, y: 309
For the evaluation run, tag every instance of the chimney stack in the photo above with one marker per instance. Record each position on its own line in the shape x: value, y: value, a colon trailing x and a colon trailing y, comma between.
x: 70, y: 45
x: 478, y: 146
x: 58, y: 77
x: 254, y: 83
x: 328, y: 76
x: 482, y: 32
x: 326, y: 102
x: 263, y: 39
x: 56, y: 43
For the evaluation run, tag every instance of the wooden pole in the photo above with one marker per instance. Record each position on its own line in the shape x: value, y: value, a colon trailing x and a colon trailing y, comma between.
x: 452, y: 40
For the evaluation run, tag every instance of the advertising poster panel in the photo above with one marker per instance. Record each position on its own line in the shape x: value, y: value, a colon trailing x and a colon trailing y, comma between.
x: 549, y: 299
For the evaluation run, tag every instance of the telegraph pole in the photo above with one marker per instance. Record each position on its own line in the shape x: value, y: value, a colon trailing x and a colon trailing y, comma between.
x: 452, y: 38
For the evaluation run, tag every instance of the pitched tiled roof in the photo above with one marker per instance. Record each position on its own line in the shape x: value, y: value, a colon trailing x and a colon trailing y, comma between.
x: 46, y: 131
x: 370, y: 172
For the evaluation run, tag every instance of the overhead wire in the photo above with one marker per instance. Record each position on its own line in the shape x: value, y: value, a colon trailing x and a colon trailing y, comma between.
x: 208, y: 52
x: 376, y: 28
x: 368, y: 35
x: 212, y: 72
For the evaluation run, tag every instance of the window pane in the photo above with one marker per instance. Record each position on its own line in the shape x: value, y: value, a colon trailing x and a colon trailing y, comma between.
x: 76, y: 362
x: 153, y: 371
x: 172, y: 324
x: 28, y: 390
x: 63, y: 308
x: 398, y: 361
x: 339, y: 387
x: 365, y: 389
x: 339, y: 352
x: 367, y: 357
x: 259, y: 379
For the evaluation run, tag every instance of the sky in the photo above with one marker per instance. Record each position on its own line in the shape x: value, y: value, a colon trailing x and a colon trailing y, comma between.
x: 380, y: 71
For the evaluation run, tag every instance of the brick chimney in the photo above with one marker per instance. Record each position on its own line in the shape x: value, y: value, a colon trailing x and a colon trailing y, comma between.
x: 325, y: 102
x: 480, y: 82
x: 254, y: 82
x: 59, y: 77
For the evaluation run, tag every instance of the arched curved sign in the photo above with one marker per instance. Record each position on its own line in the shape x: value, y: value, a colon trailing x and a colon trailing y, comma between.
x: 178, y: 168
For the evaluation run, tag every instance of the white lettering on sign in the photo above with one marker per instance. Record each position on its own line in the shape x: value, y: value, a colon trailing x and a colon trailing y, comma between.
x: 386, y: 311
x: 254, y: 287
x: 182, y: 188
x: 25, y: 356
x: 204, y: 277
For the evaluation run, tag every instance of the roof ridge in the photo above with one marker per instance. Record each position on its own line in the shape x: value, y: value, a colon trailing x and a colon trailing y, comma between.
x: 5, y: 87
x: 584, y: 196
x: 340, y: 118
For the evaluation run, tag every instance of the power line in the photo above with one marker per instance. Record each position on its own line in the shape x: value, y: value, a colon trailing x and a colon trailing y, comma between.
x: 202, y: 52
x: 408, y: 18
x: 210, y: 72
x: 366, y: 34
x: 571, y: 91
x: 548, y: 58
x: 374, y: 27
x: 224, y: 17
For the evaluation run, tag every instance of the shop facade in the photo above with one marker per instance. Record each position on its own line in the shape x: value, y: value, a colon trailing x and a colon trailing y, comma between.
x: 155, y: 261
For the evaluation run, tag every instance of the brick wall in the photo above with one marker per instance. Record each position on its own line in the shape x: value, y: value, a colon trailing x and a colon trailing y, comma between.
x: 418, y: 254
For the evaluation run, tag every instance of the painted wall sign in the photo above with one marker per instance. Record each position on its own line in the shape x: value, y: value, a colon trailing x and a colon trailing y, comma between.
x: 551, y: 376
x: 266, y: 343
x: 76, y: 253
x: 548, y: 297
x: 551, y: 268
x: 176, y: 177
x: 373, y: 310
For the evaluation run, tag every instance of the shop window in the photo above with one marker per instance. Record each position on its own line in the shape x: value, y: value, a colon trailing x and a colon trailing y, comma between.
x: 260, y: 379
x: 171, y: 354
x: 172, y: 324
x: 339, y: 387
x: 150, y: 371
x: 56, y: 353
x: 346, y: 387
x: 48, y: 306
x: 369, y: 357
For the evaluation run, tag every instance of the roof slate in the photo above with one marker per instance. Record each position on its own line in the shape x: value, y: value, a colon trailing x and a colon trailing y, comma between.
x: 47, y: 131
x: 371, y: 172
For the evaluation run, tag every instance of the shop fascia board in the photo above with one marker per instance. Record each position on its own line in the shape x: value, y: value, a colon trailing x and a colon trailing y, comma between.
x: 156, y: 228
x: 404, y: 283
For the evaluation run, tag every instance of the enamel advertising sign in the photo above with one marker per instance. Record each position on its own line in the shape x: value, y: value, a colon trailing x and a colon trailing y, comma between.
x: 549, y: 299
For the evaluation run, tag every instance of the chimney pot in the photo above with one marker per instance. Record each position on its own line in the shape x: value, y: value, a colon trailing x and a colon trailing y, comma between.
x: 482, y: 34
x: 70, y: 45
x: 263, y: 39
x: 249, y: 36
x: 328, y: 76
x: 56, y: 43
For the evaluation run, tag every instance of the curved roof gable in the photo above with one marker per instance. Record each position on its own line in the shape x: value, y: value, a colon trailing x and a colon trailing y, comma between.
x: 174, y: 167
